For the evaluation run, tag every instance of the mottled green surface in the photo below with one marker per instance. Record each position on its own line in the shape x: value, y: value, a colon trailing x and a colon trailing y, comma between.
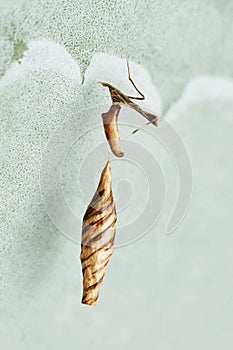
x: 166, y: 292
x: 175, y: 40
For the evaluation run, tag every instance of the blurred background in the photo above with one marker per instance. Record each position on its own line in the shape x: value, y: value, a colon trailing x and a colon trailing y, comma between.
x: 165, y: 291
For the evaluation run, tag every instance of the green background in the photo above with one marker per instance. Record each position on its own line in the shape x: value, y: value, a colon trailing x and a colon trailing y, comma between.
x: 166, y: 292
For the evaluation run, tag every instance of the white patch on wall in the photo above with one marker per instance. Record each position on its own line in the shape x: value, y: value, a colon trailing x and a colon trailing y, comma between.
x: 203, y: 88
x: 43, y: 55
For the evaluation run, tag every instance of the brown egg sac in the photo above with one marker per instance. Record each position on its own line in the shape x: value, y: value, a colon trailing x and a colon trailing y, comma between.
x: 98, y: 233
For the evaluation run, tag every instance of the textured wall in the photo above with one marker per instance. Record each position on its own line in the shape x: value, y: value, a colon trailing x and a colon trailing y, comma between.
x: 165, y: 292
